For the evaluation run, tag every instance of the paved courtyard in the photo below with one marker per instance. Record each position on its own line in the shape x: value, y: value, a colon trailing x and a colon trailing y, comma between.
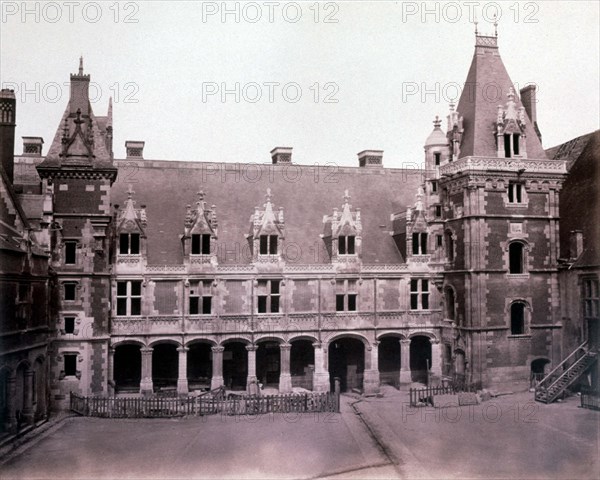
x: 507, y: 437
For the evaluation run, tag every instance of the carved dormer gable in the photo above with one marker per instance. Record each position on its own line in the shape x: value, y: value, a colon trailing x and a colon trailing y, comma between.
x: 131, y: 229
x: 200, y: 232
x: 343, y: 233
x: 267, y: 231
x: 417, y: 227
x: 511, y: 129
x: 455, y: 132
x: 79, y: 145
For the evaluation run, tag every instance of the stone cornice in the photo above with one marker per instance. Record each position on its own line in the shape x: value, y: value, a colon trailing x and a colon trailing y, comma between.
x: 493, y: 164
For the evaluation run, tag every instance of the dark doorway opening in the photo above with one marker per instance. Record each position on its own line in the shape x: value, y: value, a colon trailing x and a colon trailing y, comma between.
x: 268, y: 364
x: 420, y: 358
x: 302, y: 364
x: 347, y: 362
x: 389, y: 361
x: 235, y: 366
x: 199, y: 366
x: 127, y: 368
x: 165, y: 366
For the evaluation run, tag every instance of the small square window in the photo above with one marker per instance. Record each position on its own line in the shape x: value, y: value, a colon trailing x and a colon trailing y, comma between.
x: 69, y: 324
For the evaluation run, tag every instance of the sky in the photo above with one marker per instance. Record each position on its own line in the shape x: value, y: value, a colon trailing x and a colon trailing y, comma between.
x: 216, y: 81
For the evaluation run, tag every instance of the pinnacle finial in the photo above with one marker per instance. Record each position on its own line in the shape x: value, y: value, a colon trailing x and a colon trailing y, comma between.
x: 201, y: 195
x: 496, y: 25
x: 130, y: 191
x: 268, y: 195
x: 475, y: 22
x: 437, y: 122
x: 511, y: 94
x: 346, y: 196
x: 81, y: 65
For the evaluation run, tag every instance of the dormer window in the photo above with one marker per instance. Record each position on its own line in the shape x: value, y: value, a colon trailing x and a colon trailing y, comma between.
x: 346, y: 245
x: 268, y: 296
x: 129, y: 244
x: 419, y: 243
x: 515, y: 192
x: 200, y: 244
x: 268, y: 244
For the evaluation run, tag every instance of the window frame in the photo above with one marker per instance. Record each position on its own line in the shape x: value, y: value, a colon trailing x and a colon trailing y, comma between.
x: 270, y: 243
x: 74, y: 358
x: 203, y: 244
x: 129, y: 244
x: 128, y: 298
x: 349, y: 245
x: 419, y: 294
x: 420, y: 244
x: 524, y: 330
x: 346, y: 296
x: 201, y: 292
x: 522, y: 261
x: 271, y: 296
x: 70, y: 284
x: 70, y: 243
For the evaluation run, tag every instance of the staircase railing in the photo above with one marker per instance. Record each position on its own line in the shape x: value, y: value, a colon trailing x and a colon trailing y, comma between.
x: 556, y: 373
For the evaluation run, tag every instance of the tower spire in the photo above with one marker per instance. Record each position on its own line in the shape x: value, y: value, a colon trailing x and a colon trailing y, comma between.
x: 81, y: 65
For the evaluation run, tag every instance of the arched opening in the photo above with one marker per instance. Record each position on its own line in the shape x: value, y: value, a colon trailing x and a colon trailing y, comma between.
x: 235, y: 366
x: 389, y: 361
x: 4, y: 413
x: 347, y: 362
x: 268, y: 364
x: 199, y: 366
x: 302, y: 363
x: 39, y: 386
x: 515, y: 257
x: 127, y: 368
x: 420, y: 358
x: 450, y: 303
x: 165, y: 367
x: 538, y: 370
x: 517, y: 318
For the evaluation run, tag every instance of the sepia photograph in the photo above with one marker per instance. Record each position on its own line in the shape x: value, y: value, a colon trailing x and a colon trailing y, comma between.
x: 299, y: 240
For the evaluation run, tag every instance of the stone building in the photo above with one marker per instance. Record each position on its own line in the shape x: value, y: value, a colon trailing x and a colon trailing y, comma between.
x: 24, y: 301
x: 191, y: 275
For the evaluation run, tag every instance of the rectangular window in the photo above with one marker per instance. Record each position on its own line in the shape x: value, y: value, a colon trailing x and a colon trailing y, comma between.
x: 24, y: 293
x: 591, y: 299
x: 70, y: 291
x: 438, y: 158
x: 439, y: 241
x: 346, y: 245
x: 434, y: 186
x: 516, y: 144
x: 419, y: 243
x: 201, y: 244
x: 268, y: 244
x: 129, y: 244
x: 194, y: 304
x: 507, y: 145
x: 70, y: 253
x: 70, y: 364
x: 346, y: 299
x: 268, y: 296
x: 129, y: 298
x: 419, y: 294
x: 515, y: 192
x: 438, y: 211
x: 69, y: 324
x: 206, y: 305
x: 200, y: 298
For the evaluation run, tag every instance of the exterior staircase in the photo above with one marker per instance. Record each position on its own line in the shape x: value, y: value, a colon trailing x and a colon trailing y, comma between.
x: 565, y: 374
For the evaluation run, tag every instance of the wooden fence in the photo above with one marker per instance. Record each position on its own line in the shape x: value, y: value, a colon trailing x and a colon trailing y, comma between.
x: 424, y: 396
x: 158, y: 406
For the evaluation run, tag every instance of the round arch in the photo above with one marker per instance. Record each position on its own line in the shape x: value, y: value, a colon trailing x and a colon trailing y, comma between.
x: 195, y: 341
x: 246, y: 341
x: 432, y: 336
x: 164, y: 341
x: 341, y: 335
x: 306, y: 337
x: 128, y: 341
x: 398, y: 335
x: 269, y: 338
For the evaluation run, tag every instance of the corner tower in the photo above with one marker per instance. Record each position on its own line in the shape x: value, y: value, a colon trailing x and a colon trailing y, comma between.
x: 77, y: 174
x: 499, y: 196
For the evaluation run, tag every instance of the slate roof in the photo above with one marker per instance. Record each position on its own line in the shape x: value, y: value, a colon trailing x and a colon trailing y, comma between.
x: 166, y: 187
x: 580, y: 198
x: 486, y: 87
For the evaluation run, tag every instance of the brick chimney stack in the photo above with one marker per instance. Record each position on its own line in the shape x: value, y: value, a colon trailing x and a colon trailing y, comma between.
x: 370, y: 158
x: 281, y: 155
x: 8, y: 109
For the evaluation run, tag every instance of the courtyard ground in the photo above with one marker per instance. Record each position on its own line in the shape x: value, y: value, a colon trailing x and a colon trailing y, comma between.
x: 506, y: 437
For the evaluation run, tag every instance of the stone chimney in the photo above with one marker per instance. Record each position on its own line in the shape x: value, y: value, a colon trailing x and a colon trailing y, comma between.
x: 8, y: 110
x: 370, y: 158
x: 134, y: 149
x: 576, y: 243
x: 281, y: 155
x: 32, y: 146
x: 529, y: 101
